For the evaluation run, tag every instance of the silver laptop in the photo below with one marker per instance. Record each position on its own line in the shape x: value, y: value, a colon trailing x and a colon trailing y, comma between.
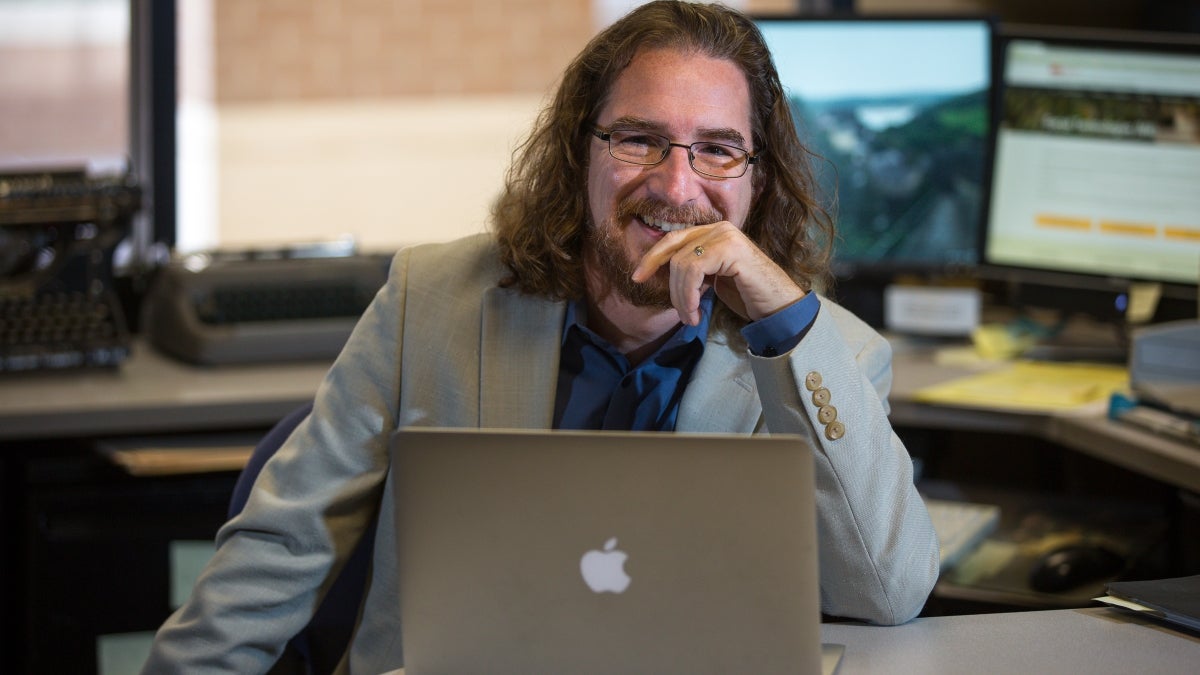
x: 569, y: 552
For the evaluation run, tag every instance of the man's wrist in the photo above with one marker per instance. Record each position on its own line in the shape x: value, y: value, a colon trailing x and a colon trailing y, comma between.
x: 780, y: 332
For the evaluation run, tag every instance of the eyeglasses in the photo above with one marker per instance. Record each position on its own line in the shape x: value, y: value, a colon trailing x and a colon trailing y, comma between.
x: 714, y: 160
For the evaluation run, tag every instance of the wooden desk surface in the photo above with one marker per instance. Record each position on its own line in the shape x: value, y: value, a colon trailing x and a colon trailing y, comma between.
x: 1093, y: 640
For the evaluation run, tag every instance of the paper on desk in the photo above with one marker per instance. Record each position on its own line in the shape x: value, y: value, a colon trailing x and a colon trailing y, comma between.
x: 1127, y: 604
x: 1031, y: 385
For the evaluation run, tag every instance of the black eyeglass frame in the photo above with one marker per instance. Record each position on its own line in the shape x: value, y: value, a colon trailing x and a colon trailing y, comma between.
x: 606, y: 136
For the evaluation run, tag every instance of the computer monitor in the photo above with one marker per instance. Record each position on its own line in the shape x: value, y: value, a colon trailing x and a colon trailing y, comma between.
x: 1096, y: 184
x: 898, y: 111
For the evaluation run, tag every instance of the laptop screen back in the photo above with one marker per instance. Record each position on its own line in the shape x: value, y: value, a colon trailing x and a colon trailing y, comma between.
x: 605, y: 552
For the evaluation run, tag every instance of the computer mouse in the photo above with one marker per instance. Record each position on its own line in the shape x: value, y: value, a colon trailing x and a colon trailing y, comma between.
x: 1073, y: 566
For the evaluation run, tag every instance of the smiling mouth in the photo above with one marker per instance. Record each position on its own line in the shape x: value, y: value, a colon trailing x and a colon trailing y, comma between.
x: 657, y: 215
x: 663, y: 225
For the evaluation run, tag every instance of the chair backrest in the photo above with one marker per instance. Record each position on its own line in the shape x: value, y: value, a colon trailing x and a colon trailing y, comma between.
x: 324, y: 640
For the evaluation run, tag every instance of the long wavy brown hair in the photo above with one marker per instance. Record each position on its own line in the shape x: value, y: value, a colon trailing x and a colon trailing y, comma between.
x: 541, y: 218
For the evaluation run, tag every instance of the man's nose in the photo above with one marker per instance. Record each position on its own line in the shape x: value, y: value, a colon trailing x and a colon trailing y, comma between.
x: 677, y: 181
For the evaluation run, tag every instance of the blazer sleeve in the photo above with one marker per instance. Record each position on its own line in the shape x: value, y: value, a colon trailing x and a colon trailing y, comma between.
x: 878, y: 550
x: 309, y: 507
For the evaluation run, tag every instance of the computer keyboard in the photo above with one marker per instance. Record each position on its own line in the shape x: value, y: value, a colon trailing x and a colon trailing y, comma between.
x: 961, y: 527
x: 61, y: 329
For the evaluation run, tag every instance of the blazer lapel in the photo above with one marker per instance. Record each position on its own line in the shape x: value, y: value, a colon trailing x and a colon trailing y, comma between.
x: 721, y: 396
x: 521, y: 338
x: 521, y: 341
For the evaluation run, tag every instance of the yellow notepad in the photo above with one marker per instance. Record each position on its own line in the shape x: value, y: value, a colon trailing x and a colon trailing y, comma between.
x: 1031, y: 385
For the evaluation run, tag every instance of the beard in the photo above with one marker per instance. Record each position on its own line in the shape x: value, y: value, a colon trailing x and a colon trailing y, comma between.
x: 615, y: 264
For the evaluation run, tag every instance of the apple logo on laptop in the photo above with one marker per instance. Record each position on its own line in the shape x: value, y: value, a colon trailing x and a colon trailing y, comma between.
x: 604, y: 571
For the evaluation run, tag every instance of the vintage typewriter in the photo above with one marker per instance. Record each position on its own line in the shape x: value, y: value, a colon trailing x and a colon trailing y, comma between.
x: 58, y: 229
x: 259, y: 306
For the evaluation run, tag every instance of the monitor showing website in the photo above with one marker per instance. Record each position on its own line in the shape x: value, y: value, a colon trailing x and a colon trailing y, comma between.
x: 1097, y: 166
x: 898, y: 111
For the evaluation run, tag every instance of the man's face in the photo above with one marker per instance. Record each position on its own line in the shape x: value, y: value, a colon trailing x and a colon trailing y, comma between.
x: 686, y: 98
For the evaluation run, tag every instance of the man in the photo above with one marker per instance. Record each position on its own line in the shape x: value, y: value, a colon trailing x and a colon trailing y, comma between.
x: 651, y: 268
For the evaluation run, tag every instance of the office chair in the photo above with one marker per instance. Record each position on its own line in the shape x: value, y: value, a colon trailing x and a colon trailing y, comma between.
x: 319, y: 646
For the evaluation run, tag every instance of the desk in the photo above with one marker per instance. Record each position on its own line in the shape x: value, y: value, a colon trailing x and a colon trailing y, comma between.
x: 1093, y: 640
x: 152, y: 393
x: 1091, y: 433
x: 1158, y: 457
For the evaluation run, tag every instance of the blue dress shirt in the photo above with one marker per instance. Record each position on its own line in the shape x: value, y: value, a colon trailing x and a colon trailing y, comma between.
x: 598, y: 389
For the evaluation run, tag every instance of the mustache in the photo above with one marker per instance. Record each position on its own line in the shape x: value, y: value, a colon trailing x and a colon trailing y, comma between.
x: 653, y: 208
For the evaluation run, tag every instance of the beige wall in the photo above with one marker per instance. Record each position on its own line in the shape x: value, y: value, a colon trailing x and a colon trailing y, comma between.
x: 392, y: 121
x: 388, y: 120
x: 272, y: 50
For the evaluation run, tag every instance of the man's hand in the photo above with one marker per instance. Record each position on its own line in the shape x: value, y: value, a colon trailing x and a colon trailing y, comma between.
x: 720, y: 254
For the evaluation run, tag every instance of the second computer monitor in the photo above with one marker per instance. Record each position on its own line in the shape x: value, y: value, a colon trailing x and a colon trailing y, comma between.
x: 1098, y: 158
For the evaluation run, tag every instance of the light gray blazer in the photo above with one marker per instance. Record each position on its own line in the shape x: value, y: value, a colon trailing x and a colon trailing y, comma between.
x: 443, y: 345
